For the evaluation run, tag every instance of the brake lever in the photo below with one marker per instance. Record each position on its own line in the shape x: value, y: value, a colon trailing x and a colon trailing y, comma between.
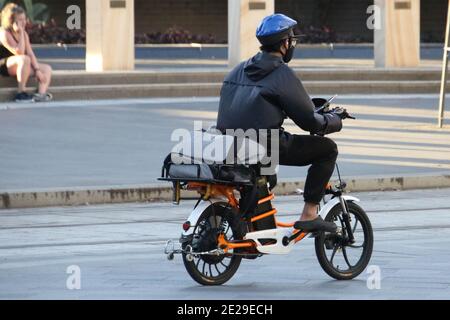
x: 347, y: 116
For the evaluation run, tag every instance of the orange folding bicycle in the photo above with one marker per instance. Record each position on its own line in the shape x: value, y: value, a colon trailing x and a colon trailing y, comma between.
x: 225, y: 227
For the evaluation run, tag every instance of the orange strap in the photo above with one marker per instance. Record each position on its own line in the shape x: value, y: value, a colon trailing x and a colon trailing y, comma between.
x: 269, y: 197
x: 262, y: 216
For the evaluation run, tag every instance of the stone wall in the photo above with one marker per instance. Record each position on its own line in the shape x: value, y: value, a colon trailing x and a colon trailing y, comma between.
x: 345, y: 17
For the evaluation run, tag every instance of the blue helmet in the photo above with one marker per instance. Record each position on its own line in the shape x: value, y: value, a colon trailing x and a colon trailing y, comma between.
x: 275, y: 28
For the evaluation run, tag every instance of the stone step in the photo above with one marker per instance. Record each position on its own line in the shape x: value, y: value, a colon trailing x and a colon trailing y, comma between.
x: 81, y: 78
x: 206, y: 89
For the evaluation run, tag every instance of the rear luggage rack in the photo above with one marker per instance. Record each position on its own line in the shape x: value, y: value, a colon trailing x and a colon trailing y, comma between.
x: 213, y: 180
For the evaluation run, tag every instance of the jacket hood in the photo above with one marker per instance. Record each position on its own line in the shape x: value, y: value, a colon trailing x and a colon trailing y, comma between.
x: 261, y: 65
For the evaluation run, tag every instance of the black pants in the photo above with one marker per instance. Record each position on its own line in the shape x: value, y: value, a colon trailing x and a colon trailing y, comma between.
x: 319, y: 152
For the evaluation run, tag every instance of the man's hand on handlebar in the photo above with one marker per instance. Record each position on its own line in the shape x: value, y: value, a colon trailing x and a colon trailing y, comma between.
x: 341, y: 113
x: 334, y: 118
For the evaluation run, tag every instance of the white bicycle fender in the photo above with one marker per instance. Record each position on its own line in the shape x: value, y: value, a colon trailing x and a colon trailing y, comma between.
x: 197, y: 212
x: 330, y: 204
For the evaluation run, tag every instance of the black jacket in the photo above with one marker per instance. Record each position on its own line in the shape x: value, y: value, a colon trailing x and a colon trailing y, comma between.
x: 261, y: 92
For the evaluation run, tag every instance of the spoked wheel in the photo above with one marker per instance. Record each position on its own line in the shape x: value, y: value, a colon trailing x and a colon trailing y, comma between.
x: 212, y: 269
x: 337, y: 256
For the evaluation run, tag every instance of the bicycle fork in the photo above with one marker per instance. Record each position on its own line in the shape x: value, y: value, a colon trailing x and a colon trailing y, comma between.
x: 346, y: 218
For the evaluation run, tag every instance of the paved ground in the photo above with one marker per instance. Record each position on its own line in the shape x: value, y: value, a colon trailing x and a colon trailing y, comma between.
x: 119, y: 250
x: 100, y: 143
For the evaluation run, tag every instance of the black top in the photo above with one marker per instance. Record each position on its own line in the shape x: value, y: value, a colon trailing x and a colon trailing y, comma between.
x: 261, y: 92
x: 4, y: 52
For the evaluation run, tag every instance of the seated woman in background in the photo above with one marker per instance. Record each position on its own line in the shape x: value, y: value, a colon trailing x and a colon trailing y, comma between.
x: 17, y: 58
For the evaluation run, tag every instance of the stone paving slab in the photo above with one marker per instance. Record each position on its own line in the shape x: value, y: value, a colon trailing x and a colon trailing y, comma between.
x: 119, y: 249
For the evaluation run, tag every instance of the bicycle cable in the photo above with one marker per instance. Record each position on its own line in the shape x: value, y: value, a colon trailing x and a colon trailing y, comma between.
x: 339, y: 175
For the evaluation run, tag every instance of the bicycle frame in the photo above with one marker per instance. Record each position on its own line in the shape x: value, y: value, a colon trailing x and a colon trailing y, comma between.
x: 284, y: 235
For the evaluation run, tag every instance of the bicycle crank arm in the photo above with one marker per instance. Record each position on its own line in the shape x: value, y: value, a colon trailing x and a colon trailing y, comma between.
x: 288, y: 240
x: 313, y: 234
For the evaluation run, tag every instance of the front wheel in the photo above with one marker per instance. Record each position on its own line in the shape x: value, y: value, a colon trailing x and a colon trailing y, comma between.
x: 338, y: 257
x: 212, y: 269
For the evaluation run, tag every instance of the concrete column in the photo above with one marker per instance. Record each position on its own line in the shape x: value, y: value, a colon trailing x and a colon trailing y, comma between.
x: 244, y: 17
x: 397, y: 41
x: 109, y: 35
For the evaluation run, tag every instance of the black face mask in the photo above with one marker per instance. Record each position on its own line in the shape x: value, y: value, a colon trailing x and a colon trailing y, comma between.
x: 289, y: 52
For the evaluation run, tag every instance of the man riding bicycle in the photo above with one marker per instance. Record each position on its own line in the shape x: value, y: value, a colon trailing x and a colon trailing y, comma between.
x: 261, y: 92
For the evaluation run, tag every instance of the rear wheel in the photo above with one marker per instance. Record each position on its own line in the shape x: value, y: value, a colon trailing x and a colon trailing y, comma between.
x: 338, y: 257
x: 212, y: 269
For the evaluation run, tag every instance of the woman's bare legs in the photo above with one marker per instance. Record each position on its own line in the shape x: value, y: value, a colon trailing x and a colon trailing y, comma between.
x: 47, y: 71
x: 19, y: 66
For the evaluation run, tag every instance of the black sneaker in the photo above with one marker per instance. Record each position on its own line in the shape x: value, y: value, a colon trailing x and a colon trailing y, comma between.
x: 45, y: 97
x: 23, y: 97
x: 318, y: 224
